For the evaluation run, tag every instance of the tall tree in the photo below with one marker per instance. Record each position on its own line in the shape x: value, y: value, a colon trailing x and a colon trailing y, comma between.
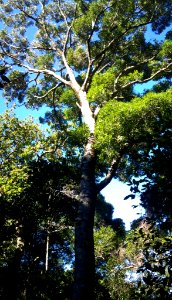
x: 81, y: 57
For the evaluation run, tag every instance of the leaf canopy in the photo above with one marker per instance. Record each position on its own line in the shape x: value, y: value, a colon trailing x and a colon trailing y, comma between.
x: 138, y: 125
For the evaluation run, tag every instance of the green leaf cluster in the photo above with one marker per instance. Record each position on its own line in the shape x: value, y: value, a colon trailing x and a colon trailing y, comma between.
x: 20, y: 143
x: 101, y: 87
x: 166, y: 50
x: 136, y: 124
x: 77, y: 58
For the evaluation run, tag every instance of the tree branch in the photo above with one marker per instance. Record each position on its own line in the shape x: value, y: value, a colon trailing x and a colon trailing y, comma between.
x: 88, y: 78
x: 34, y: 70
x: 48, y: 72
x: 102, y: 184
x: 72, y: 83
x: 66, y: 39
x: 129, y: 68
x: 112, y: 170
x: 67, y: 26
x: 62, y: 14
x: 46, y: 94
x: 147, y: 79
x: 21, y: 8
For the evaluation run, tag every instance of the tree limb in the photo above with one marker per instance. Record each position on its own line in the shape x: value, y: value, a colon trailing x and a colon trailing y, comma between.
x: 129, y: 68
x: 147, y: 79
x: 21, y: 8
x: 112, y: 170
x: 72, y: 83
x: 46, y: 94
x: 102, y: 184
x: 48, y: 72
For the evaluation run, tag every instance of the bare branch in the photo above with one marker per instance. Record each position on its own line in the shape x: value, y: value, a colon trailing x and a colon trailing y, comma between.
x: 90, y: 60
x: 87, y: 77
x: 79, y: 106
x: 98, y: 65
x: 66, y: 39
x: 148, y: 79
x: 97, y: 69
x: 96, y: 111
x: 73, y: 83
x: 67, y: 26
x: 48, y: 72
x: 130, y: 68
x: 112, y: 170
x: 62, y: 14
x: 101, y: 185
x: 34, y: 79
x: 104, y: 67
x: 46, y: 94
x: 43, y: 22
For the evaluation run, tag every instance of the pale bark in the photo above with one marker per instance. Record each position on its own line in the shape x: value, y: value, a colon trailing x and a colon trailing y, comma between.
x: 47, y: 252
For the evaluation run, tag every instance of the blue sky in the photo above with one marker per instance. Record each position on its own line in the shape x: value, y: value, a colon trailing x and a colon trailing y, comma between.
x: 114, y: 193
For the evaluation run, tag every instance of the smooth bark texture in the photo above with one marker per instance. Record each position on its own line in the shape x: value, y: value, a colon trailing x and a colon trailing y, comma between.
x: 84, y: 243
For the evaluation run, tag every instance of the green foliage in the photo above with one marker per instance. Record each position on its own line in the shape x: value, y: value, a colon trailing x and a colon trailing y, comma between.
x: 105, y: 239
x: 104, y: 212
x: 148, y: 250
x: 17, y: 87
x: 166, y: 51
x: 141, y: 121
x: 96, y: 34
x: 20, y: 143
x: 110, y: 266
x: 101, y: 87
x: 45, y: 61
x: 156, y: 196
x: 155, y: 184
x: 77, y: 58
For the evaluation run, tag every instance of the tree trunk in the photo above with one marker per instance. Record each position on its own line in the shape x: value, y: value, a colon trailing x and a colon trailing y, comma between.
x: 47, y: 251
x: 84, y: 242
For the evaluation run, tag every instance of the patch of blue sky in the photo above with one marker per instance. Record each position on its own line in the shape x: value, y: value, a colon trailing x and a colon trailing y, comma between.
x: 23, y: 112
x: 140, y: 88
x: 152, y: 37
x: 128, y: 210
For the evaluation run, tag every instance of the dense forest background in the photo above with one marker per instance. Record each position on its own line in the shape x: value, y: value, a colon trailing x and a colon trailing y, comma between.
x: 82, y: 61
